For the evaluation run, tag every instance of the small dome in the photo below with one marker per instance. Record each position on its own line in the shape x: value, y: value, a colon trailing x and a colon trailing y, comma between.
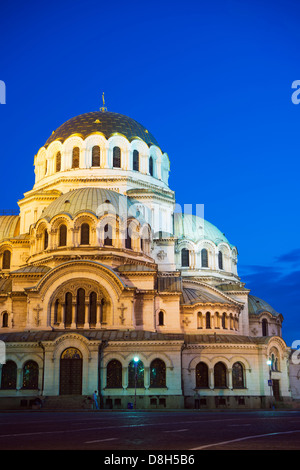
x: 257, y: 306
x: 107, y: 123
x: 194, y: 228
x: 94, y: 200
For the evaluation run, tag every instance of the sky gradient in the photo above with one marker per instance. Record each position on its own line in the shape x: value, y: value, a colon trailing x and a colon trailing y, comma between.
x: 211, y: 80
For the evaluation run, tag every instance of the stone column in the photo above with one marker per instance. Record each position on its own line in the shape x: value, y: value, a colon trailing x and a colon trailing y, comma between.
x: 99, y: 314
x: 211, y: 381
x: 124, y: 377
x: 86, y: 313
x: 146, y: 377
x: 19, y: 378
x: 73, y: 323
x: 229, y: 378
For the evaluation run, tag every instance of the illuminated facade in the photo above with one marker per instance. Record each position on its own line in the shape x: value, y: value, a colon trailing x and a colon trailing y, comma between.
x: 98, y: 268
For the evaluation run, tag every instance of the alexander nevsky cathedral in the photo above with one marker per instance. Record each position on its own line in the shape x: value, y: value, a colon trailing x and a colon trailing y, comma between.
x: 105, y: 286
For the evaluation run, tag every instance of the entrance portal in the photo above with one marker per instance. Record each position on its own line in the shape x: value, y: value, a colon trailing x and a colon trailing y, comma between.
x: 70, y: 372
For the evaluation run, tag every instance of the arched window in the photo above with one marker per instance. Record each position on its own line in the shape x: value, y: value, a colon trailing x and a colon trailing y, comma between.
x: 84, y: 234
x: 185, y: 257
x: 220, y: 375
x: 93, y: 308
x: 117, y: 157
x: 136, y: 374
x: 157, y: 374
x: 5, y: 320
x: 237, y: 375
x: 264, y: 325
x: 75, y: 157
x: 114, y: 374
x: 96, y: 155
x: 136, y: 161
x: 161, y: 318
x: 201, y: 375
x: 68, y: 309
x: 30, y: 375
x: 58, y: 161
x: 220, y: 259
x: 207, y: 320
x: 6, y: 259
x: 224, y: 321
x: 80, y: 307
x: 274, y: 361
x: 108, y: 235
x: 128, y: 243
x: 151, y: 166
x: 46, y: 239
x: 204, y: 258
x: 62, y: 235
x: 9, y: 376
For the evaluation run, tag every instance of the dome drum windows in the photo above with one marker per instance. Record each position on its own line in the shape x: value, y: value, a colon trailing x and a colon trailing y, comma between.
x: 116, y: 157
x: 185, y: 258
x: 58, y: 162
x: 75, y: 157
x: 151, y: 166
x: 264, y: 326
x: 85, y: 234
x: 204, y: 258
x: 108, y: 235
x: 62, y: 235
x: 96, y: 156
x: 220, y: 260
x: 136, y: 161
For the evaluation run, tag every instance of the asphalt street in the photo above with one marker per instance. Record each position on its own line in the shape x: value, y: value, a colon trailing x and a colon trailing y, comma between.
x: 142, y: 430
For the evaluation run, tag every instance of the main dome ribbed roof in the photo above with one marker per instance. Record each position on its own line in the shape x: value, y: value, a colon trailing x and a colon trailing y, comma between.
x: 107, y: 123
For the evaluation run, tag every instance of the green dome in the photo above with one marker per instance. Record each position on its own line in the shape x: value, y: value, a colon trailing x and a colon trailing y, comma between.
x: 194, y: 228
x: 257, y: 306
x: 94, y: 200
x: 107, y: 123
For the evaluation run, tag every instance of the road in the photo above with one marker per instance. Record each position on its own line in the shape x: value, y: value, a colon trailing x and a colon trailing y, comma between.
x: 155, y: 430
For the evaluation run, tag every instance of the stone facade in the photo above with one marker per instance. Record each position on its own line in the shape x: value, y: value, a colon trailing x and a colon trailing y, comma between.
x: 104, y: 287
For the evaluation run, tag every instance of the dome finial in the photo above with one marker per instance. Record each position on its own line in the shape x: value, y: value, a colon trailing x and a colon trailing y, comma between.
x: 103, y: 108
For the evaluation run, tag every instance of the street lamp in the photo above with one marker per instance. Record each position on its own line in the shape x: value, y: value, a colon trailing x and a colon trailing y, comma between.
x: 135, y: 360
x: 269, y: 362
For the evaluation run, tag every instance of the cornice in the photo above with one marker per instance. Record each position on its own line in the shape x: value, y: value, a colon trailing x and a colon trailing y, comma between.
x: 106, y: 179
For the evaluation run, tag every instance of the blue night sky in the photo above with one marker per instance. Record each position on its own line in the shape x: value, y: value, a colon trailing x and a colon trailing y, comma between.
x: 210, y: 79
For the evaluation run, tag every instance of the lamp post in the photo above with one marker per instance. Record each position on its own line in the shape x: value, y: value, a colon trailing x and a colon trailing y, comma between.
x: 269, y: 362
x: 136, y: 360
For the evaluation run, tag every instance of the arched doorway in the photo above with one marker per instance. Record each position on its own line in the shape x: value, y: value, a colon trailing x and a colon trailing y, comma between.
x: 70, y: 372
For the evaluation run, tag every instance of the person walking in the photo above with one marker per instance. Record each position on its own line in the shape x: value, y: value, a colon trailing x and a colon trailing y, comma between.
x: 95, y: 398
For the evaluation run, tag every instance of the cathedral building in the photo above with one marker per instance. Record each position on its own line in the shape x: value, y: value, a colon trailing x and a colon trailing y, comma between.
x: 105, y: 286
